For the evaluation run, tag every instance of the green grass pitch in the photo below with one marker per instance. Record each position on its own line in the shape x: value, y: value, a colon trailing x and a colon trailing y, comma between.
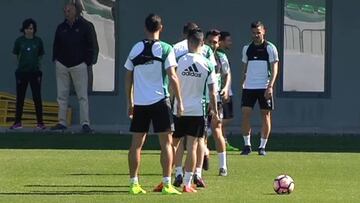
x: 94, y: 175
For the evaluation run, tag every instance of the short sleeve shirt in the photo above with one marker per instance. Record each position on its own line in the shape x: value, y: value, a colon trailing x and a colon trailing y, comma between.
x: 150, y: 79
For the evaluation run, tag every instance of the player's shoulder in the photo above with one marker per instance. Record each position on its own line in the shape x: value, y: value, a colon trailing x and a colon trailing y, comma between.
x: 270, y: 44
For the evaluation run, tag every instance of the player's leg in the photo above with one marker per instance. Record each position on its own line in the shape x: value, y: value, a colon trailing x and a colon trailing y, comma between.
x: 139, y: 127
x: 194, y: 129
x: 190, y: 162
x: 266, y: 106
x: 178, y: 160
x: 228, y: 115
x: 163, y: 125
x: 135, y: 154
x: 201, y: 147
x: 220, y: 147
x: 21, y: 86
x: 248, y: 101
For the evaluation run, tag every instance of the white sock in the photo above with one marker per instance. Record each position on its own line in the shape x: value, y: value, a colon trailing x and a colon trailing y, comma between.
x: 166, y: 180
x: 247, y: 140
x: 188, y: 178
x: 222, y: 160
x: 134, y: 180
x: 178, y: 171
x: 198, y: 172
x: 263, y: 143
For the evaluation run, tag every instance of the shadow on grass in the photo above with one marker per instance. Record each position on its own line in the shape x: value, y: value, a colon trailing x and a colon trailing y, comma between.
x: 112, y: 174
x: 91, y: 192
x: 85, y: 186
x: 277, y: 142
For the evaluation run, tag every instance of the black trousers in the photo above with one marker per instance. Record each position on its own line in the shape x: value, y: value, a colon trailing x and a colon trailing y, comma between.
x: 22, y: 81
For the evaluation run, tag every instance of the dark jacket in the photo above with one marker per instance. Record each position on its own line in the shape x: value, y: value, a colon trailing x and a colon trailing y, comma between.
x: 76, y: 44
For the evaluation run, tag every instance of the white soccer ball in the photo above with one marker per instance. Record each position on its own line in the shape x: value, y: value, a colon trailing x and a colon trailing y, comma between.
x: 284, y: 184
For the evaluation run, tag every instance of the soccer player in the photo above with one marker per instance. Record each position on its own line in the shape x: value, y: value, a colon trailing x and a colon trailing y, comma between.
x: 225, y: 43
x: 147, y: 99
x: 180, y: 49
x: 195, y: 72
x: 260, y: 59
x: 212, y: 39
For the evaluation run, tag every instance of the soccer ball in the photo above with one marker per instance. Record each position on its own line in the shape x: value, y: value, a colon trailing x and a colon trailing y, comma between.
x: 284, y: 184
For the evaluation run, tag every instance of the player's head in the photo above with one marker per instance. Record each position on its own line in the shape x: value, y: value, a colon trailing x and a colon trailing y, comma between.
x: 195, y: 39
x: 153, y: 23
x: 29, y: 26
x: 257, y: 32
x: 212, y: 38
x: 189, y: 26
x: 225, y: 41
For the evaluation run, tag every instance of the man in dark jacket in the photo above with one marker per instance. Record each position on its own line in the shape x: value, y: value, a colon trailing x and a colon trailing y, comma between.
x: 75, y: 49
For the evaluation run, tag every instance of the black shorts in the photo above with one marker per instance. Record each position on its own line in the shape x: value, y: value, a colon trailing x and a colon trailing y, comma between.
x: 158, y: 113
x: 189, y: 125
x: 250, y: 96
x: 227, y: 108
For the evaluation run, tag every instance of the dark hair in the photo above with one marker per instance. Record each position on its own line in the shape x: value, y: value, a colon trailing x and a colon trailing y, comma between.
x: 257, y: 24
x: 213, y: 32
x: 224, y: 35
x: 26, y: 23
x: 189, y: 26
x: 195, y: 36
x: 153, y: 22
x: 78, y: 6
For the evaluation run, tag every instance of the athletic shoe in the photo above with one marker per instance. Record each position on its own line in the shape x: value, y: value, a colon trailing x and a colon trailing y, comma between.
x: 158, y: 188
x: 261, y: 151
x: 230, y: 148
x: 223, y: 172
x: 136, y: 189
x: 199, y: 182
x: 189, y: 189
x: 86, y: 129
x: 168, y: 189
x: 178, y: 181
x: 206, y: 162
x: 246, y: 150
x: 16, y: 126
x: 40, y: 126
x: 58, y: 127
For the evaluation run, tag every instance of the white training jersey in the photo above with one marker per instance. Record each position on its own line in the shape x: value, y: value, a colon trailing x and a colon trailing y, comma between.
x: 195, y: 72
x: 181, y: 48
x: 150, y: 78
x: 258, y: 59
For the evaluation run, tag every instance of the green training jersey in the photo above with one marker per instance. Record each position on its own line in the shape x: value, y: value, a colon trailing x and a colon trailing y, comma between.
x: 28, y: 52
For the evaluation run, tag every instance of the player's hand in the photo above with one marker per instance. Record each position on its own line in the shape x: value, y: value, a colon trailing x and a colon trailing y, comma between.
x: 268, y: 93
x: 179, y: 110
x: 215, y: 119
x: 130, y: 111
x: 224, y: 93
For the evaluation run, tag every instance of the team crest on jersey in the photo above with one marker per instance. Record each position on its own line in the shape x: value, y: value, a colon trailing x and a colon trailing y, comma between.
x: 191, y: 71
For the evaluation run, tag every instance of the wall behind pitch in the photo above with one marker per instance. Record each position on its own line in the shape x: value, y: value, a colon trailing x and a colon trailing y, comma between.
x: 231, y: 15
x: 47, y: 14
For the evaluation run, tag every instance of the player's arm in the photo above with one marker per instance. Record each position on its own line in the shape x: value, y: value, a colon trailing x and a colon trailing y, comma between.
x: 213, y: 102
x: 245, y: 65
x: 225, y: 90
x: 129, y: 92
x: 274, y: 71
x: 274, y: 65
x: 175, y: 86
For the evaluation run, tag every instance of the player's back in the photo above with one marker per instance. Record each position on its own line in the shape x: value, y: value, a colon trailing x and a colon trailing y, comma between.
x: 195, y: 72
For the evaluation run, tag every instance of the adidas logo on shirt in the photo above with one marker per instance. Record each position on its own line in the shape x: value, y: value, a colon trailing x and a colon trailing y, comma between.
x: 191, y: 71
